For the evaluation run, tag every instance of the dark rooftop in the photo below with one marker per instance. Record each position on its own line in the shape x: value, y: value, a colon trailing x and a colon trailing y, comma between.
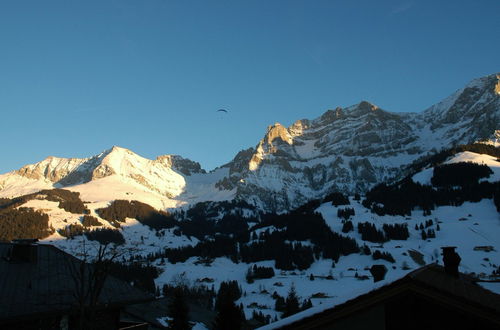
x: 45, y: 284
x: 430, y: 280
x: 463, y: 286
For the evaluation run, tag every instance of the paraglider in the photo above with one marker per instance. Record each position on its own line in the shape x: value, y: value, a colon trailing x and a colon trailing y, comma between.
x: 222, y: 110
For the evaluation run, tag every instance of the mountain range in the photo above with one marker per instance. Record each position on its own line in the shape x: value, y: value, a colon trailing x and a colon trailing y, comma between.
x: 346, y: 149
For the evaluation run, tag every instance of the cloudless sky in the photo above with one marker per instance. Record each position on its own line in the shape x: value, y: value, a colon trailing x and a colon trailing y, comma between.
x: 77, y: 77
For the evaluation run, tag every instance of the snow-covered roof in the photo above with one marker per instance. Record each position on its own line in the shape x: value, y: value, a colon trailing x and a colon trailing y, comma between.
x: 432, y: 276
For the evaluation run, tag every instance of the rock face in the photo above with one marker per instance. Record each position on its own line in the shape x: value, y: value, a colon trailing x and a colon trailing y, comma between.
x: 354, y: 148
x: 347, y: 150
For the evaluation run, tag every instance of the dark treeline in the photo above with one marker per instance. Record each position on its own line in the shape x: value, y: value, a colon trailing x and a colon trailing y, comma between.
x: 337, y: 199
x: 10, y: 203
x: 229, y: 315
x: 219, y: 246
x: 396, y: 231
x: 23, y: 223
x: 403, y: 197
x: 273, y: 245
x: 399, y: 199
x: 72, y: 230
x: 199, y: 294
x: 345, y: 213
x: 347, y: 226
x: 102, y: 235
x: 229, y: 224
x: 118, y: 210
x: 282, y: 245
x: 68, y: 200
x: 291, y: 304
x: 376, y: 255
x: 20, y: 222
x: 229, y: 289
x: 287, y: 256
x: 370, y: 233
x: 204, y: 219
x: 459, y: 174
x: 259, y: 272
x: 496, y: 197
x: 211, y: 210
x: 440, y: 157
x: 306, y: 226
x: 430, y: 233
x: 105, y: 236
x: 88, y: 221
x: 199, y: 221
x: 141, y: 276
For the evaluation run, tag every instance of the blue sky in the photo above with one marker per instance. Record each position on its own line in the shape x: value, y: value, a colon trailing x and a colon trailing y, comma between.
x: 77, y: 77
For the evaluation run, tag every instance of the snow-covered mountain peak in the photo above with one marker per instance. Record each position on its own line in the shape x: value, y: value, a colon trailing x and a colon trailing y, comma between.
x: 116, y: 161
x: 166, y: 176
x: 479, y: 90
x: 470, y: 114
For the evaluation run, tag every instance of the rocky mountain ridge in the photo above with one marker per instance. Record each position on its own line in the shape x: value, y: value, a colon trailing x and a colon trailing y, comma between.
x: 345, y: 149
x: 354, y: 148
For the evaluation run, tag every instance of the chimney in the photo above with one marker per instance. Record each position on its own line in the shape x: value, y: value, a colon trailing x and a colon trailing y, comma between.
x: 451, y: 260
x: 24, y: 250
x: 378, y: 272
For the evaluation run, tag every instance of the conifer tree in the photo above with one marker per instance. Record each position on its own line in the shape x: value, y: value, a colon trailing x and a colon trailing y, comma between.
x: 291, y: 302
x: 306, y: 304
x: 424, y: 235
x: 279, y: 305
x: 229, y: 315
x: 179, y: 311
x: 366, y: 250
